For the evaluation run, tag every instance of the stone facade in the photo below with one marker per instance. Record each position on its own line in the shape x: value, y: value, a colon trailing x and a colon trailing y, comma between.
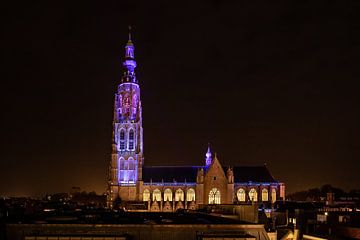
x: 170, y: 188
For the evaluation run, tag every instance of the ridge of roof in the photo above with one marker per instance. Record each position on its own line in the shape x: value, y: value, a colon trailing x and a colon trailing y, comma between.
x: 179, y: 173
x: 201, y: 166
x: 185, y: 166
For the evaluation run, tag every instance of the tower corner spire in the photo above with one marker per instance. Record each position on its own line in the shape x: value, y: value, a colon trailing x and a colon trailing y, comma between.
x: 129, y: 35
x: 208, y: 156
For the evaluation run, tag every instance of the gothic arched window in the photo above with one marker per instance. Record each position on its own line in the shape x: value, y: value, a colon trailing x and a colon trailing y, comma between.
x: 121, y: 160
x: 146, y: 195
x: 179, y: 195
x: 131, y: 139
x: 264, y: 195
x: 126, y: 165
x: 241, y: 196
x: 214, y: 196
x: 131, y: 163
x: 273, y: 195
x: 190, y: 195
x: 156, y: 195
x: 122, y: 139
x: 134, y: 104
x: 253, y: 195
x: 119, y: 102
x: 131, y: 168
x: 121, y: 169
x: 168, y: 195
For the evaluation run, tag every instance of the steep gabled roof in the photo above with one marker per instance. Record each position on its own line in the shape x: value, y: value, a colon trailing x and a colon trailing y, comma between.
x: 215, y: 169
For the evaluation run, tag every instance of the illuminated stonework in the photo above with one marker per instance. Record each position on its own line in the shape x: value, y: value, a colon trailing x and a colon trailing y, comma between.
x: 127, y: 145
x: 168, y: 188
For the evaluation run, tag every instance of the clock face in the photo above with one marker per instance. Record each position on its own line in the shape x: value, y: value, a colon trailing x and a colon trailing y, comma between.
x: 126, y: 104
x: 126, y: 101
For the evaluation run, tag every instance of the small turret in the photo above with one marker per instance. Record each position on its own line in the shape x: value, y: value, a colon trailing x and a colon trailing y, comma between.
x: 230, y: 175
x: 200, y: 176
x: 208, y: 157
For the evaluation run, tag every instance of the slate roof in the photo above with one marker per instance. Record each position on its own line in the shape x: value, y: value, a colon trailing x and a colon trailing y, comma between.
x: 170, y: 173
x: 252, y: 173
x: 180, y: 173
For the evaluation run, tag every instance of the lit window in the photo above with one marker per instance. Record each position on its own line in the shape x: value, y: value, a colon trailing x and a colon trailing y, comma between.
x: 131, y: 168
x: 122, y: 139
x: 253, y: 195
x: 264, y: 195
x: 146, y: 195
x: 241, y: 195
x: 156, y: 195
x: 282, y: 191
x: 122, y: 162
x: 131, y: 139
x: 214, y: 196
x: 190, y: 195
x: 168, y: 195
x: 273, y: 195
x: 121, y: 172
x: 126, y: 165
x: 134, y: 105
x: 131, y: 163
x: 179, y: 195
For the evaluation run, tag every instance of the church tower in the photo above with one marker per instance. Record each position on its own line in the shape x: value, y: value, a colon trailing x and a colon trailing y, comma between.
x: 127, y: 138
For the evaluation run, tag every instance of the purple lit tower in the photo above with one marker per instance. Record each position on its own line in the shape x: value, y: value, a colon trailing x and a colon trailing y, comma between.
x: 127, y: 145
x: 208, y: 157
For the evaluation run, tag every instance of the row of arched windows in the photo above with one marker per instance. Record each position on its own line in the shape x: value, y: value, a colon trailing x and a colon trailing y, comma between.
x: 131, y: 139
x: 168, y: 195
x: 253, y: 195
x: 127, y: 164
x: 127, y: 170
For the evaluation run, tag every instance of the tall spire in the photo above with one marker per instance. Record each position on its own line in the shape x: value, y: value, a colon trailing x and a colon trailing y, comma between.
x: 208, y: 159
x: 129, y: 63
x: 129, y: 40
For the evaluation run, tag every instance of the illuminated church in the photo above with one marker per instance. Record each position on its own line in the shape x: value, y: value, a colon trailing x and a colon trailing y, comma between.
x: 168, y: 188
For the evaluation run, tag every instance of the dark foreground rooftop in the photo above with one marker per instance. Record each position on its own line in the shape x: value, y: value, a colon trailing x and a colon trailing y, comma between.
x: 107, y: 217
x: 131, y: 225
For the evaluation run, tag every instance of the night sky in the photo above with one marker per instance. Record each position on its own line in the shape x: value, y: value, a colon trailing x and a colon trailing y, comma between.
x: 262, y: 82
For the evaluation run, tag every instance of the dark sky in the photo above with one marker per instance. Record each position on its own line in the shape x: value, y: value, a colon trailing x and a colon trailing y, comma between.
x: 263, y: 82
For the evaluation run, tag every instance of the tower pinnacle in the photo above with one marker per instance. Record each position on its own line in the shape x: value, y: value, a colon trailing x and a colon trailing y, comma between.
x: 129, y: 63
x: 208, y: 159
x: 127, y: 138
x: 129, y: 40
